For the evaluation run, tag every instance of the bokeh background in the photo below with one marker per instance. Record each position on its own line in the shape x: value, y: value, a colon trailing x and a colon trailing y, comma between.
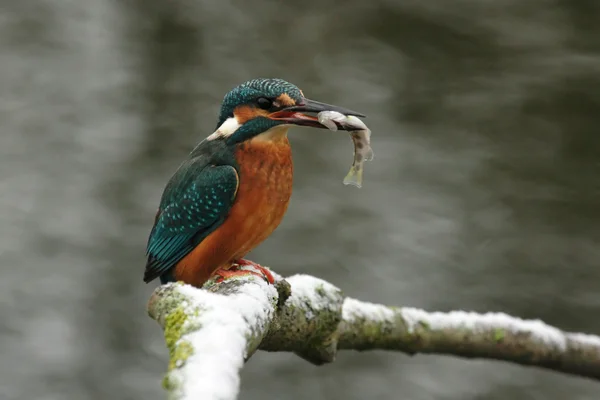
x: 484, y: 193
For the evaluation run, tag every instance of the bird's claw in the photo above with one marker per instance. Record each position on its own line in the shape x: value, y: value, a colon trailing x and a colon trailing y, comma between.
x: 236, y: 271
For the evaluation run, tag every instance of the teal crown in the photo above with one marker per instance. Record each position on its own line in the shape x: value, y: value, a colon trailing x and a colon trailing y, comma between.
x: 248, y: 92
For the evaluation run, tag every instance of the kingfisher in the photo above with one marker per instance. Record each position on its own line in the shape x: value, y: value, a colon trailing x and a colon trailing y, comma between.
x: 233, y: 189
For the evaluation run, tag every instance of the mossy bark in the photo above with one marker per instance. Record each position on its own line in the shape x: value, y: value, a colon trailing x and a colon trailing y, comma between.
x: 310, y: 323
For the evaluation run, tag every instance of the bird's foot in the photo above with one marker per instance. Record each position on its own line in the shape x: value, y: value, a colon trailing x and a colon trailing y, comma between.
x: 242, y: 262
x: 230, y: 273
x: 236, y: 271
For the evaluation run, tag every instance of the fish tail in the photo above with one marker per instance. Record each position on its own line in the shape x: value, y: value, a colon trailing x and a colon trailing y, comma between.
x: 354, y: 176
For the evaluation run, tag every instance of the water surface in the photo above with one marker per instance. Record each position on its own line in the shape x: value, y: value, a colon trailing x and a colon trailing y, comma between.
x: 484, y: 193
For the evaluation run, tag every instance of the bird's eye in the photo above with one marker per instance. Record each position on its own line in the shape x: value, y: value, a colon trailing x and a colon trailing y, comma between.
x: 264, y: 103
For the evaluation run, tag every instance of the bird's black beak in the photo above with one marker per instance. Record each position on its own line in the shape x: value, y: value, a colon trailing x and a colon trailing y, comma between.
x: 313, y: 106
x: 297, y: 114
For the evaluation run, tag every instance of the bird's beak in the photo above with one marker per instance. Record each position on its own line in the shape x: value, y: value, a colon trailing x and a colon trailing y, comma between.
x: 297, y: 114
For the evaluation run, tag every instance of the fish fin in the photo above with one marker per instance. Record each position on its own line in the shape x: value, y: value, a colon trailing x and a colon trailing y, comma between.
x: 354, y: 176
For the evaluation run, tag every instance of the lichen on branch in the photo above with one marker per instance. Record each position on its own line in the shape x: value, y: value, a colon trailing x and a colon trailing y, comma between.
x: 211, y: 332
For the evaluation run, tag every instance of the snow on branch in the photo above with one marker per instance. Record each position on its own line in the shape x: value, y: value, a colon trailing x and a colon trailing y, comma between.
x: 211, y: 332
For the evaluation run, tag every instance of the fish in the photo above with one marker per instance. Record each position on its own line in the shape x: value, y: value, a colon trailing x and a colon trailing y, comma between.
x: 361, y: 138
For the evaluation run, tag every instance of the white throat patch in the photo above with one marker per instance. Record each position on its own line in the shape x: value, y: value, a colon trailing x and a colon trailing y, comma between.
x: 273, y: 134
x: 226, y: 129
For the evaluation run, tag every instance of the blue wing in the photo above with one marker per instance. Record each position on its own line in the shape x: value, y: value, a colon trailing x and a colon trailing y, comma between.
x: 192, y: 208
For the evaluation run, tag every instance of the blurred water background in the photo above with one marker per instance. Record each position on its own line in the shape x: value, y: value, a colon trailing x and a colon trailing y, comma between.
x: 484, y: 193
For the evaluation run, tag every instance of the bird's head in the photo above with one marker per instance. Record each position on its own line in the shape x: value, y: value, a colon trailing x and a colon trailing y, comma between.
x: 267, y: 106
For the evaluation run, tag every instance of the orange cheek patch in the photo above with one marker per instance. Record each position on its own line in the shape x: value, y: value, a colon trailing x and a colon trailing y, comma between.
x: 244, y: 114
x: 285, y: 100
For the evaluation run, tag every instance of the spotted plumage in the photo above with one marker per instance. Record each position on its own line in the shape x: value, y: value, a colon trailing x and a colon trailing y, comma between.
x: 234, y: 188
x: 188, y: 213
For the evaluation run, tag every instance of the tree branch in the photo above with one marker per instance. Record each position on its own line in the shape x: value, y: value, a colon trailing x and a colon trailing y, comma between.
x: 211, y: 332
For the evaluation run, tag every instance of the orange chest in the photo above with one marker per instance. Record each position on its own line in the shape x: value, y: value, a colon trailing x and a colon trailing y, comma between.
x: 265, y: 188
x: 266, y: 173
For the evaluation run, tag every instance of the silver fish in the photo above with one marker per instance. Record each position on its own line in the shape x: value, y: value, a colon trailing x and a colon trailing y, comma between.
x: 361, y: 137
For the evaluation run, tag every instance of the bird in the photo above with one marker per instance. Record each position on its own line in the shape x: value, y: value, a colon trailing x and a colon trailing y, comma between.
x: 233, y: 189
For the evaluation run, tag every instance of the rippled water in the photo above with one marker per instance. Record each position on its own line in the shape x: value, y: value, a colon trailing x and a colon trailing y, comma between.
x: 484, y: 193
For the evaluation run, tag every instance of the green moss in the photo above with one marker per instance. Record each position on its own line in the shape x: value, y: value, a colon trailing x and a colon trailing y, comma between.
x: 499, y: 335
x: 284, y: 290
x: 320, y: 289
x: 182, y: 352
x: 173, y: 324
x: 424, y: 325
x: 371, y: 331
x: 178, y: 352
x: 209, y: 284
x: 167, y: 384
